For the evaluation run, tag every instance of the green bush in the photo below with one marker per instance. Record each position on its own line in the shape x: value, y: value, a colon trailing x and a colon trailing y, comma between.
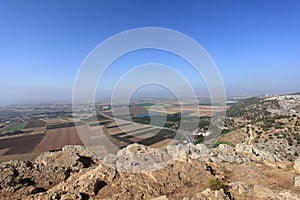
x: 199, y: 139
x: 215, y: 184
x: 278, y: 125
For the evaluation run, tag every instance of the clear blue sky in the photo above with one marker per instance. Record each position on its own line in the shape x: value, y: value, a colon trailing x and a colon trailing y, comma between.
x: 255, y: 44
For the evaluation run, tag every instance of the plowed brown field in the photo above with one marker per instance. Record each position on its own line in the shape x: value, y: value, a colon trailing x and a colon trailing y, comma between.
x: 57, y: 138
x: 27, y: 147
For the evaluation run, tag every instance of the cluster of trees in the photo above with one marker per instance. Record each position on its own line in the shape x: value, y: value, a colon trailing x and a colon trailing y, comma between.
x: 251, y: 109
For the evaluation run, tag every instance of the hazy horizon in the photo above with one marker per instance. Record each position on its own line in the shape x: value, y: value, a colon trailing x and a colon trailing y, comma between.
x: 254, y: 44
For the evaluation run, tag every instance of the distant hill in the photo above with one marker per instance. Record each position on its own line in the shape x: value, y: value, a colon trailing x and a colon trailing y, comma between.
x: 252, y: 108
x: 297, y: 93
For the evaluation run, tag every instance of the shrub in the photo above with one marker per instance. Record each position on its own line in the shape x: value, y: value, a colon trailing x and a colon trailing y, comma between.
x: 215, y: 184
x: 290, y: 140
x: 199, y: 139
x: 278, y: 125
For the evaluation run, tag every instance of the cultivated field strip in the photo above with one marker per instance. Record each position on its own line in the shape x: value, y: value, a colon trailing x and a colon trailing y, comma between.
x: 57, y: 138
x: 21, y: 144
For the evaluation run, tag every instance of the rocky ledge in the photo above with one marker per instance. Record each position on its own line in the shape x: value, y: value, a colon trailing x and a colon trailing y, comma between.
x: 139, y: 172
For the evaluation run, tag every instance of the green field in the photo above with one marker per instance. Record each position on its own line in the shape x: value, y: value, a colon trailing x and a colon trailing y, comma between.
x: 64, y: 125
x: 99, y: 123
x: 13, y: 127
x: 145, y: 104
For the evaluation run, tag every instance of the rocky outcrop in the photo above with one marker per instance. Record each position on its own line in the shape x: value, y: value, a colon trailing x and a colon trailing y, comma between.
x: 208, y: 194
x: 139, y: 172
x: 255, y: 153
x: 47, y: 170
x: 242, y: 190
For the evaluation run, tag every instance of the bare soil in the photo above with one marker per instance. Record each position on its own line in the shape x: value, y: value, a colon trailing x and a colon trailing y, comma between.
x: 20, y: 145
x: 28, y: 147
x: 57, y: 138
x: 35, y: 124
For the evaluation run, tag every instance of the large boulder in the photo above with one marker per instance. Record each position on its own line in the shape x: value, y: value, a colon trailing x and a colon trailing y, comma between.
x: 297, y: 181
x: 137, y: 158
x: 212, y: 194
x: 254, y: 153
x: 297, y: 165
x: 7, y: 176
x: 224, y: 153
x: 186, y: 153
x: 78, y: 149
x: 59, y: 159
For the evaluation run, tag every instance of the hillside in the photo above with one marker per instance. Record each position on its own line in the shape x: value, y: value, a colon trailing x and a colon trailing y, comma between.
x: 270, y: 123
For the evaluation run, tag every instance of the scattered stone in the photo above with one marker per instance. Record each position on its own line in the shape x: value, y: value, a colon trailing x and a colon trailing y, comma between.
x: 161, y: 198
x: 297, y: 181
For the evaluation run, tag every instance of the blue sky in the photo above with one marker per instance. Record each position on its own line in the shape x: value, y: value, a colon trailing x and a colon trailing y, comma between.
x: 255, y: 44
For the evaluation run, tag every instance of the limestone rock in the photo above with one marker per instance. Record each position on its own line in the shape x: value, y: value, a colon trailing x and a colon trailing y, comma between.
x: 224, y: 153
x: 58, y: 159
x: 255, y: 153
x: 140, y: 172
x: 161, y: 198
x: 297, y: 165
x: 297, y: 181
x: 69, y: 196
x: 208, y: 194
x: 81, y: 150
x: 7, y: 176
x: 262, y: 192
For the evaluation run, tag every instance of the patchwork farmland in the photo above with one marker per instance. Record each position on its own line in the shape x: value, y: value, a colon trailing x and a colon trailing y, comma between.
x: 28, y: 131
x: 128, y: 133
